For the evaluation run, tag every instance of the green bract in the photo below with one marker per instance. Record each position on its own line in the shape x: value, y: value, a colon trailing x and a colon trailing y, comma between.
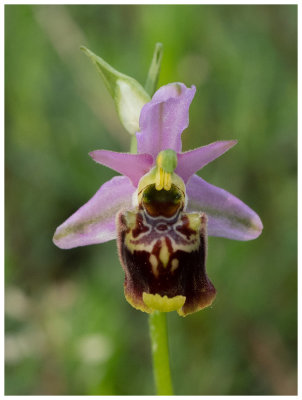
x: 129, y: 96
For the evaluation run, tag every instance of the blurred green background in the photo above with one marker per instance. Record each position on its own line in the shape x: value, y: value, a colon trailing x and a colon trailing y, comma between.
x: 69, y: 329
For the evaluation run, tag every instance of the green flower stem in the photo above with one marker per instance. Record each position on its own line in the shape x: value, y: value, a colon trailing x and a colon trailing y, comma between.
x: 160, y: 353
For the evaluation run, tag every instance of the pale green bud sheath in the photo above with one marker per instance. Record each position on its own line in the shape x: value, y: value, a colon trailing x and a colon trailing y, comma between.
x: 129, y: 96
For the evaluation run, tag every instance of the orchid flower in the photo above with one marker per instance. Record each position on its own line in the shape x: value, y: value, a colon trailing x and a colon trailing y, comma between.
x: 160, y: 211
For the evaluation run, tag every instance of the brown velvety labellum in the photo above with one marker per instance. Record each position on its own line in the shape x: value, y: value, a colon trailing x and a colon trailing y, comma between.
x: 165, y: 256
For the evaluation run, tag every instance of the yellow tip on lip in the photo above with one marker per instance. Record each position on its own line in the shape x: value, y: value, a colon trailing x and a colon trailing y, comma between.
x: 163, y: 303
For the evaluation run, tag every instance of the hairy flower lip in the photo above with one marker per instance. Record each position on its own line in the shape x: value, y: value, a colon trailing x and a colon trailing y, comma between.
x: 165, y: 270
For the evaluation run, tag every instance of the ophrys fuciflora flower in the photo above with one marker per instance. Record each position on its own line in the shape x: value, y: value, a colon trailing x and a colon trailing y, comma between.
x: 160, y: 212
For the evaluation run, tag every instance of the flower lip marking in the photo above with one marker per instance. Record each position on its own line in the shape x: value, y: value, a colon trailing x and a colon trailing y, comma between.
x: 161, y: 227
x: 185, y: 229
x: 139, y: 227
x: 154, y: 264
x: 174, y: 264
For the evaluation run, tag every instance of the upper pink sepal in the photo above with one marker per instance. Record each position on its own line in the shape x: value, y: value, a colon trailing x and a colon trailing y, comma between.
x: 164, y: 118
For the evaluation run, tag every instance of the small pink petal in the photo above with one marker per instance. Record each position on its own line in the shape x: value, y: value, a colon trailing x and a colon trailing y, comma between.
x: 193, y: 160
x: 132, y: 165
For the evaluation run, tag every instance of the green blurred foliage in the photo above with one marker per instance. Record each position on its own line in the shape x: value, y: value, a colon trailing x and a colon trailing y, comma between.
x: 69, y: 329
